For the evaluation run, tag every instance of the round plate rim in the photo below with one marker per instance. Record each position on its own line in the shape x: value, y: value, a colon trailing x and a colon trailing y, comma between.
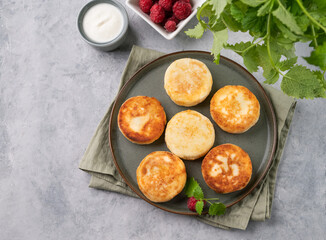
x: 130, y: 80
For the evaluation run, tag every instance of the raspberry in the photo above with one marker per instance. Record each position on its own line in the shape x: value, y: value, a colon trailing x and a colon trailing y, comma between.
x: 157, y: 13
x: 174, y: 19
x: 166, y: 4
x: 187, y: 1
x: 170, y: 26
x: 145, y: 5
x: 181, y: 9
x: 191, y: 203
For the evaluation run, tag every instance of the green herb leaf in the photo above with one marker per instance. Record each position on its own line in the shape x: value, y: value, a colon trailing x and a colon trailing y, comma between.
x: 286, y: 64
x: 216, y: 209
x: 237, y: 13
x: 253, y: 3
x: 190, y: 187
x: 318, y: 57
x: 251, y: 60
x: 196, y: 32
x: 287, y: 18
x: 199, y: 206
x: 255, y: 25
x: 300, y: 82
x: 285, y: 31
x: 263, y: 10
x: 198, y: 193
x: 220, y: 39
x: 238, y: 47
x: 321, y: 78
x: 218, y: 6
x: 269, y: 73
x: 216, y: 25
x: 303, y: 22
x: 229, y: 20
x: 250, y: 56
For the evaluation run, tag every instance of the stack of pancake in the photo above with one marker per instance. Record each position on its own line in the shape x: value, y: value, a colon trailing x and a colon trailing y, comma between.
x: 189, y: 135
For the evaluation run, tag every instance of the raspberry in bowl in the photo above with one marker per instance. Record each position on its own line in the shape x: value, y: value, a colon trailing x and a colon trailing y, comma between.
x: 167, y: 17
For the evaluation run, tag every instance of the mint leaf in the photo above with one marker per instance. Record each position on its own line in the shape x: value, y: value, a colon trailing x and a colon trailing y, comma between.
x: 269, y: 73
x: 190, y: 187
x: 238, y: 47
x: 229, y: 20
x: 220, y: 39
x: 253, y: 3
x: 271, y: 76
x: 321, y: 78
x: 196, y: 32
x: 216, y: 25
x: 263, y: 10
x: 199, y: 206
x: 318, y: 57
x: 255, y: 25
x: 278, y: 49
x: 237, y: 13
x: 250, y: 56
x: 251, y: 60
x: 287, y: 19
x: 216, y: 209
x: 286, y: 64
x: 205, y: 11
x: 218, y: 6
x: 198, y: 193
x: 303, y: 22
x: 300, y: 82
x: 285, y: 31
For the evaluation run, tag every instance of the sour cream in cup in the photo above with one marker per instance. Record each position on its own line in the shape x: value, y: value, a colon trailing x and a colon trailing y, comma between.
x: 103, y: 24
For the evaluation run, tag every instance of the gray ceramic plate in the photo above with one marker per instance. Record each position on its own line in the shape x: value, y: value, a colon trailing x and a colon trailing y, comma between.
x: 259, y: 142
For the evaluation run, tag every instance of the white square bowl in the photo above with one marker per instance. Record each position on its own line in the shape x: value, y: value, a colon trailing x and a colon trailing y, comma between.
x: 133, y: 4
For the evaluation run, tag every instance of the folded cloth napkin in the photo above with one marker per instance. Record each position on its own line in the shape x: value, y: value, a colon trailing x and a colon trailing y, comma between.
x: 98, y: 161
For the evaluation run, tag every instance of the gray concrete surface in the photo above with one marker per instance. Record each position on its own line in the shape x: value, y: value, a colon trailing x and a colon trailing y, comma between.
x: 54, y: 89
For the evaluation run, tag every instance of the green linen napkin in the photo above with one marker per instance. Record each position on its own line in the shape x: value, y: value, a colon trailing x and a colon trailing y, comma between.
x: 98, y: 161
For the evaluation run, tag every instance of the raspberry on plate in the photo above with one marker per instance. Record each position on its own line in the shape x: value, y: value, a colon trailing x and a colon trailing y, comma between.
x: 181, y: 9
x: 174, y: 19
x: 191, y: 204
x: 145, y: 5
x: 166, y: 4
x: 170, y: 26
x: 157, y: 13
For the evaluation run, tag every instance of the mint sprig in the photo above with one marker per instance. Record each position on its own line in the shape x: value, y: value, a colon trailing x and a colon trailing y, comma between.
x: 193, y: 189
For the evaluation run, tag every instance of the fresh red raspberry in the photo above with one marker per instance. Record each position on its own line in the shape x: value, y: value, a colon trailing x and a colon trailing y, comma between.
x: 174, y: 19
x: 166, y: 4
x: 187, y: 1
x: 170, y: 26
x: 191, y: 203
x: 181, y: 9
x: 157, y: 13
x: 145, y: 5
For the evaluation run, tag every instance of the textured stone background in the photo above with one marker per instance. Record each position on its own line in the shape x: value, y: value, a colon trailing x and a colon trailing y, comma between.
x: 54, y: 89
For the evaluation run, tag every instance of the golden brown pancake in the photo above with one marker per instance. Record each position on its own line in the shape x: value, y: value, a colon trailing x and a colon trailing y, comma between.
x: 189, y: 135
x: 141, y: 119
x: 235, y: 109
x: 161, y: 176
x: 188, y: 82
x: 226, y: 168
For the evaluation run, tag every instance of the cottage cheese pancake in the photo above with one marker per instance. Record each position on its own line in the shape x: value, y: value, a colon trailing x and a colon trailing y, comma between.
x: 226, y: 168
x: 188, y: 82
x: 141, y: 119
x: 189, y: 135
x: 161, y: 176
x: 235, y: 109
